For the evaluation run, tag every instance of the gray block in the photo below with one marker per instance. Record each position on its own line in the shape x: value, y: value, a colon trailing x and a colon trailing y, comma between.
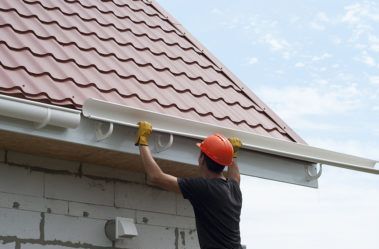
x: 2, y: 156
x: 100, y: 212
x: 42, y: 162
x: 32, y: 203
x: 80, y: 189
x: 20, y: 180
x: 166, y: 220
x: 11, y: 245
x: 23, y: 224
x: 36, y: 246
x: 103, y: 171
x: 75, y: 229
x: 143, y: 197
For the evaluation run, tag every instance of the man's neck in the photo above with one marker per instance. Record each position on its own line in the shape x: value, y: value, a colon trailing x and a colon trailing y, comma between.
x: 211, y: 175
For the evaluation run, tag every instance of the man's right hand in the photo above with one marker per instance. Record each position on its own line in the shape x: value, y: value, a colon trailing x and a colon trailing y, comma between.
x: 144, y: 131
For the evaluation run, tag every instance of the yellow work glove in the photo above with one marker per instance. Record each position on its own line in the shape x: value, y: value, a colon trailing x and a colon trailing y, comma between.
x: 144, y: 131
x: 236, y: 143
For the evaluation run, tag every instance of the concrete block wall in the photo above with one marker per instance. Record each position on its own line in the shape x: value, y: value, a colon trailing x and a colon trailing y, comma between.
x: 56, y: 204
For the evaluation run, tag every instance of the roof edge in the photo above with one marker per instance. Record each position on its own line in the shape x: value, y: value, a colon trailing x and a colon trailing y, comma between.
x: 229, y: 74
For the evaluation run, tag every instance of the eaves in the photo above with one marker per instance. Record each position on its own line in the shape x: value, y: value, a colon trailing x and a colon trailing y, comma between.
x: 83, y: 136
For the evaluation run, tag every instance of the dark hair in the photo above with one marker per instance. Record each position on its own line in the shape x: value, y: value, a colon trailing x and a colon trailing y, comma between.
x: 212, y: 165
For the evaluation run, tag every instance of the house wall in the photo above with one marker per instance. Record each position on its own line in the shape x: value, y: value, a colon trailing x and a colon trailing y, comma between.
x: 55, y: 204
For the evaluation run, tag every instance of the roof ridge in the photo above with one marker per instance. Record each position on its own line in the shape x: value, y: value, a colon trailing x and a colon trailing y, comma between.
x: 253, y: 97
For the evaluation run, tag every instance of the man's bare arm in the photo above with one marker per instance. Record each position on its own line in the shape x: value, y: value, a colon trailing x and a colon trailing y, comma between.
x: 155, y: 174
x: 234, y: 172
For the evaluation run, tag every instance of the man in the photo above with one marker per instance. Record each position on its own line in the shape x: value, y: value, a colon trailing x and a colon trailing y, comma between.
x: 216, y: 200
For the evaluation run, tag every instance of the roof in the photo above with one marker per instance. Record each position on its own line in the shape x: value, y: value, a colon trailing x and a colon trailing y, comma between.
x: 126, y: 52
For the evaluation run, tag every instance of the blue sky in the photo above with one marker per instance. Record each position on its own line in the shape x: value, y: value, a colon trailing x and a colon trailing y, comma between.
x: 316, y: 64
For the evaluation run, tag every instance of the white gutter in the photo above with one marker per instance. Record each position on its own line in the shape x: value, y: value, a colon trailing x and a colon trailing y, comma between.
x: 39, y: 113
x: 129, y: 116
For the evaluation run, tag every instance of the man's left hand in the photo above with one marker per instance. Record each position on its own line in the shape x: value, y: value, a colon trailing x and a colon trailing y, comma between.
x: 236, y: 143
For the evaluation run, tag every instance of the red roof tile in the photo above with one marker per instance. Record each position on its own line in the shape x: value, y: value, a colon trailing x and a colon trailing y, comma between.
x: 127, y: 52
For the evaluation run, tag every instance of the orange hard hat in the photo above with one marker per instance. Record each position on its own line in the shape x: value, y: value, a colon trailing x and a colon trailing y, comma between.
x: 218, y: 148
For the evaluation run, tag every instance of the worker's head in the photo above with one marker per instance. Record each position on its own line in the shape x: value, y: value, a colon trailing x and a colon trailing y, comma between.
x: 216, y: 153
x: 205, y: 162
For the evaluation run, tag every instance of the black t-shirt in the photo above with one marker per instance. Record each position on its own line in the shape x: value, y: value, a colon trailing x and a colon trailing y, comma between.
x: 217, y: 205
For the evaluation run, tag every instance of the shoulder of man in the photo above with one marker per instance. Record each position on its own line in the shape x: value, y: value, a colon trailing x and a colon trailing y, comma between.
x: 192, y: 187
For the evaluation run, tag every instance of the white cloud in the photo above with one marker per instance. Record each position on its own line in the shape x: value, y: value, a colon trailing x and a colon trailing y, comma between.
x: 367, y: 59
x: 301, y: 123
x: 253, y: 60
x: 217, y: 11
x: 335, y: 65
x: 336, y: 40
x: 321, y: 57
x: 259, y: 30
x: 322, y: 16
x: 294, y: 19
x: 317, y: 26
x: 322, y: 82
x: 363, y: 18
x: 309, y: 108
x: 374, y: 80
x: 275, y: 43
x: 353, y: 13
x: 358, y: 12
x: 320, y: 21
x: 373, y: 42
x: 299, y: 64
x: 235, y: 22
x: 293, y: 101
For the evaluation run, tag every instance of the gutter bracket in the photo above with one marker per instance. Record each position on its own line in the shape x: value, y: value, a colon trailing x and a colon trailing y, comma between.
x: 310, y: 168
x: 100, y: 135
x: 45, y: 121
x: 159, y: 146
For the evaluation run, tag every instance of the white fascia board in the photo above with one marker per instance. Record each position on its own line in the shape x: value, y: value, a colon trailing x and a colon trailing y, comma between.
x: 39, y: 113
x: 129, y: 116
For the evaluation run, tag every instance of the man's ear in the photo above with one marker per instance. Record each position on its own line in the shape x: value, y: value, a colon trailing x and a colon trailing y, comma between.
x: 201, y: 159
